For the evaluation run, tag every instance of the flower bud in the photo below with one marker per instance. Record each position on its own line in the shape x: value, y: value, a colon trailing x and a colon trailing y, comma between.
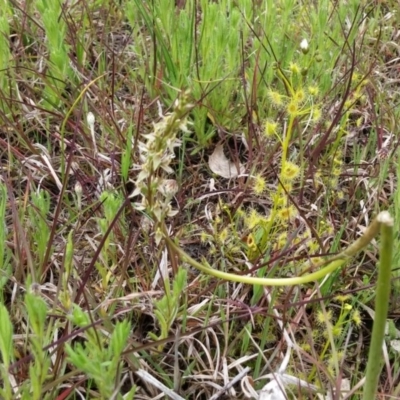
x: 90, y: 119
x: 304, y: 46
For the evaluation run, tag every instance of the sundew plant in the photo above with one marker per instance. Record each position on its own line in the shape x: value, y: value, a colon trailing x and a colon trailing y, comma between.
x: 199, y: 199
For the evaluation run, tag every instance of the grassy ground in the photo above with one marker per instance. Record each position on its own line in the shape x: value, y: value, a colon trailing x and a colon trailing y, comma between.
x: 140, y: 137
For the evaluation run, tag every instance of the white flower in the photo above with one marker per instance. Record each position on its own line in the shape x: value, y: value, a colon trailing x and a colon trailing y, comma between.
x: 169, y: 188
x: 304, y: 46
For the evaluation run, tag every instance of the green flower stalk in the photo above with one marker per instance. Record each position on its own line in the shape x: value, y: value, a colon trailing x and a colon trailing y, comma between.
x: 156, y: 155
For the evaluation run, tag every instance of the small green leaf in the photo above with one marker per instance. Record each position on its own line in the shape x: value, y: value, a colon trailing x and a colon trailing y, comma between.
x: 120, y: 337
x: 6, y: 332
x: 37, y: 312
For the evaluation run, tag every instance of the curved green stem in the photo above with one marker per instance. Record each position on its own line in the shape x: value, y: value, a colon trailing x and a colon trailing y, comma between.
x: 333, y: 262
